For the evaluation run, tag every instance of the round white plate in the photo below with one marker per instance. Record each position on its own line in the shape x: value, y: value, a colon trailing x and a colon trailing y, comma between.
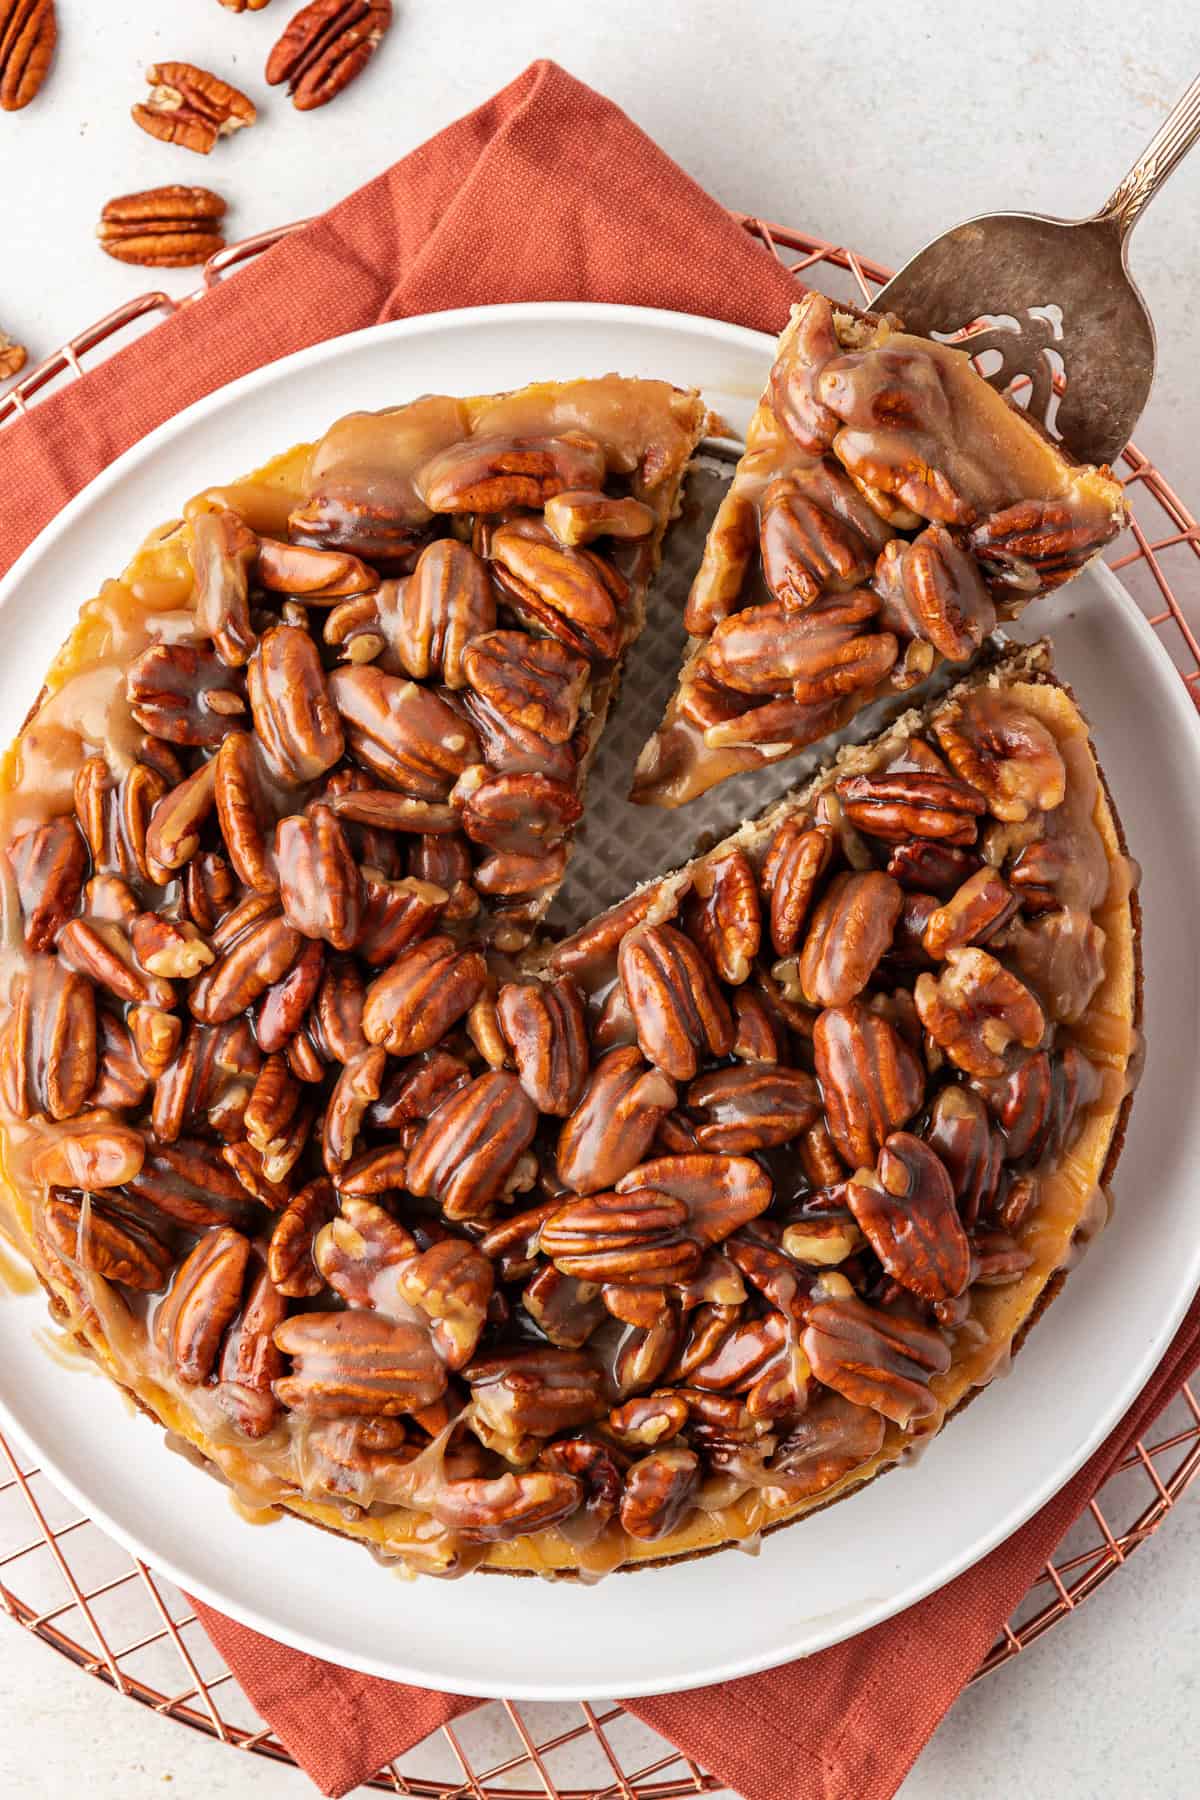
x: 843, y: 1569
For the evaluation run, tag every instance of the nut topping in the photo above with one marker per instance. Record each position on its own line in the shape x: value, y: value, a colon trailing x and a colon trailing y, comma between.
x: 545, y: 1028
x: 446, y: 606
x: 907, y: 1213
x: 490, y: 475
x: 677, y: 1006
x: 850, y: 930
x: 658, y: 1493
x: 876, y: 1359
x: 614, y: 1123
x: 350, y: 1364
x: 414, y: 1003
x: 871, y: 1082
x: 201, y: 1303
x: 300, y: 733
x: 975, y: 1009
x: 722, y: 914
x: 1009, y: 756
x: 470, y: 1147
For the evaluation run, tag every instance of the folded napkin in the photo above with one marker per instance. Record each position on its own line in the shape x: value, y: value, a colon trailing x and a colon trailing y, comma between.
x: 546, y: 192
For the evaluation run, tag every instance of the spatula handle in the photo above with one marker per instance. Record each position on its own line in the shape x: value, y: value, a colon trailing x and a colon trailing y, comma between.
x: 1167, y: 148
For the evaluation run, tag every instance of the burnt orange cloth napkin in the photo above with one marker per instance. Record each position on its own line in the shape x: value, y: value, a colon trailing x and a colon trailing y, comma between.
x: 546, y: 192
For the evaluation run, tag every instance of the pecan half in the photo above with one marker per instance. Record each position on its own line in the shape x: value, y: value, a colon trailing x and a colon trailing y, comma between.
x: 48, y: 1057
x: 974, y: 913
x: 356, y: 1087
x: 163, y: 228
x: 13, y: 356
x: 544, y: 1024
x: 833, y: 1437
x: 395, y: 915
x: 571, y: 594
x: 317, y: 577
x: 355, y: 1364
x: 516, y: 815
x: 201, y: 1303
x: 911, y: 803
x: 871, y: 1081
x: 721, y: 1193
x: 752, y: 1106
x: 494, y: 1510
x: 975, y: 1009
x: 816, y: 655
x: 103, y: 952
x: 722, y: 913
x: 406, y: 735
x: 294, y: 717
x: 49, y: 864
x: 614, y: 1123
x: 361, y: 1253
x: 252, y: 962
x: 326, y: 45
x: 537, y: 683
x: 659, y: 1493
x: 932, y: 589
x: 250, y: 1362
x: 319, y: 884
x: 924, y: 867
x: 187, y: 1181
x: 283, y: 1007
x: 521, y: 1396
x: 970, y: 1151
x: 876, y: 1359
x: 796, y: 859
x: 190, y: 107
x: 28, y: 34
x: 907, y: 1214
x: 290, y: 1251
x: 809, y: 548
x: 639, y: 1238
x: 471, y: 1146
x: 172, y: 834
x: 89, y: 1152
x: 1040, y: 543
x: 1004, y: 752
x: 581, y: 515
x: 412, y: 1005
x: 678, y: 1008
x: 446, y: 606
x: 106, y: 1242
x: 490, y: 475
x: 851, y: 928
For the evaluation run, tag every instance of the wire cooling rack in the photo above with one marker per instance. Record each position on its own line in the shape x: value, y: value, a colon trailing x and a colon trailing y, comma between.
x: 64, y: 1580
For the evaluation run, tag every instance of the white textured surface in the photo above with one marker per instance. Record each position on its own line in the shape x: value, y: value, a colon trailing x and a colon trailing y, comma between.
x: 873, y: 136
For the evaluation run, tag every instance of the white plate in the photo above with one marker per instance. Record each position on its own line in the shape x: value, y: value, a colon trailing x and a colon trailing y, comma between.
x: 843, y: 1569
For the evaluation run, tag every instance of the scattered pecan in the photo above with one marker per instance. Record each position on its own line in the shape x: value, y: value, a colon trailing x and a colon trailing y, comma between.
x: 581, y: 515
x: 721, y: 1193
x: 975, y: 1009
x: 615, y: 1121
x: 28, y: 34
x: 833, y: 1436
x: 971, y: 1152
x: 1004, y: 752
x: 319, y: 883
x: 222, y: 554
x: 326, y: 45
x: 815, y: 656
x: 659, y: 1493
x: 922, y: 866
x: 187, y: 1181
x: 252, y: 961
x: 446, y: 606
x: 355, y: 1364
x: 163, y: 228
x: 521, y: 1396
x: 107, y: 1242
x: 975, y: 912
x: 573, y: 595
x: 48, y: 1058
x: 356, y: 1087
x: 636, y: 1238
x: 172, y: 833
x: 545, y: 1027
x: 679, y: 1010
x: 13, y: 356
x: 471, y: 1147
x: 89, y: 1152
x: 1049, y: 539
x: 932, y: 589
x: 190, y: 107
x: 809, y: 548
x: 876, y: 1359
x: 451, y: 1283
x: 493, y: 1510
x: 282, y: 1009
x: 566, y: 1310
x: 871, y: 1081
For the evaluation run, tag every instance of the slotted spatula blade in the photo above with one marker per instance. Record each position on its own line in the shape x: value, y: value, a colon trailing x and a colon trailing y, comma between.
x: 1055, y: 298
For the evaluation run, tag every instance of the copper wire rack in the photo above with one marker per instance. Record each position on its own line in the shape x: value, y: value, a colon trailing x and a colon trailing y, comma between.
x: 64, y: 1580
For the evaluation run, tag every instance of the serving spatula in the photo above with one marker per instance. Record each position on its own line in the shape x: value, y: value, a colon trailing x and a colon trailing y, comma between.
x: 1055, y: 299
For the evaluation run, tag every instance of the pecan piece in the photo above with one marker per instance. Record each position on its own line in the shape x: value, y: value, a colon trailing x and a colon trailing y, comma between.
x: 338, y: 1010
x: 796, y: 859
x: 1040, y: 543
x: 811, y: 342
x: 721, y: 1193
x: 361, y: 1253
x: 816, y: 655
x: 354, y: 1364
x: 752, y: 1106
x: 910, y: 803
x: 544, y: 1024
x: 472, y: 1144
x: 294, y: 717
x: 172, y: 834
x: 833, y: 1437
x: 49, y: 1054
x: 907, y: 1213
x: 103, y: 952
x: 646, y: 1421
x: 188, y: 1182
x: 722, y: 913
x: 317, y: 577
x: 222, y: 554
x: 536, y: 683
x: 659, y: 1493
x: 90, y: 1152
x: 414, y: 1091
x: 201, y: 1303
x: 807, y: 548
x: 975, y: 1009
x: 1004, y: 752
x: 573, y: 595
x: 581, y: 515
x: 290, y: 1251
x: 851, y: 928
x: 876, y: 1359
x: 523, y: 1395
x: 633, y: 1239
x: 250, y: 1362
x: 970, y: 1151
x: 251, y: 962
x: 975, y: 912
x: 356, y: 1087
x: 614, y: 1123
x: 28, y: 34
x: 396, y: 914
x: 490, y: 475
x: 871, y: 1081
x: 326, y: 45
x: 155, y: 1036
x: 567, y: 1311
x: 283, y: 1007
x: 446, y: 606
x: 678, y: 1008
x: 106, y: 1242
x: 406, y: 735
x: 174, y: 952
x: 412, y: 1005
x: 319, y: 884
x: 931, y: 589
x: 13, y: 356
x: 49, y: 864
x: 495, y: 1510
x: 190, y: 107
x: 121, y: 1083
x: 451, y: 1282
x: 924, y: 867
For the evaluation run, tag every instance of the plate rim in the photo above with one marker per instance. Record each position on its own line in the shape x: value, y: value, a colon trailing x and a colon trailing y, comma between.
x: 867, y: 1615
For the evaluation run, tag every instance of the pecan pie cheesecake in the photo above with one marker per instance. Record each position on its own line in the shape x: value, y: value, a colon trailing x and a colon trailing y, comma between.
x: 889, y: 509
x: 489, y: 1251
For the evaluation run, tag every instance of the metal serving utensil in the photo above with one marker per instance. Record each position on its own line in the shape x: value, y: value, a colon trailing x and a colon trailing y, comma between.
x: 1055, y: 299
